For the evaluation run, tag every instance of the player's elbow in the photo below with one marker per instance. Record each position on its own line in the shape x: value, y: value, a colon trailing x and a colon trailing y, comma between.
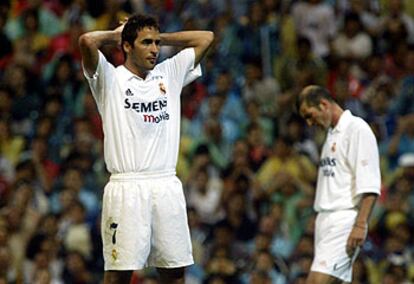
x: 209, y: 38
x: 86, y: 41
x: 204, y: 40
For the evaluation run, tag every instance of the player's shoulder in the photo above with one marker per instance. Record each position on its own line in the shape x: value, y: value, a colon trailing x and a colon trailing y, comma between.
x: 358, y: 125
x: 181, y: 54
x: 359, y: 122
x: 181, y: 57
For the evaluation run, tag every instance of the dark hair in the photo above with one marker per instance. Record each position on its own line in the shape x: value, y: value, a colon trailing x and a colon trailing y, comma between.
x: 6, y: 89
x: 135, y: 24
x: 31, y: 13
x: 312, y: 96
x: 202, y: 149
x: 352, y: 17
x: 303, y: 41
x: 286, y: 140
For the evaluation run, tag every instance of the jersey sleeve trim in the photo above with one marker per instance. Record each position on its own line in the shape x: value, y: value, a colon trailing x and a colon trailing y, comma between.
x: 372, y: 189
x: 96, y: 74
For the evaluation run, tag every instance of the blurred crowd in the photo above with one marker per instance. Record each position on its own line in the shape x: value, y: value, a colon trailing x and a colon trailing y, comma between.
x: 247, y: 161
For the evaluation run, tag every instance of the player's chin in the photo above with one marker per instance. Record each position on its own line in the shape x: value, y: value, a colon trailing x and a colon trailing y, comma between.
x: 151, y: 62
x: 150, y: 66
x: 322, y: 126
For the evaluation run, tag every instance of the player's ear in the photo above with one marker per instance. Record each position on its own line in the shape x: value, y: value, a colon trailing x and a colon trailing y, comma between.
x: 126, y: 47
x: 324, y: 104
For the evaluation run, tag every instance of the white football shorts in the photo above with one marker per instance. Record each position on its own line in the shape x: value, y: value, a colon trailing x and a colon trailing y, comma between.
x: 144, y: 222
x: 332, y: 230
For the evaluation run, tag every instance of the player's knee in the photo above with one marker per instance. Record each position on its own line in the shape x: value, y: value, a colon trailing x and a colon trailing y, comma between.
x: 171, y: 273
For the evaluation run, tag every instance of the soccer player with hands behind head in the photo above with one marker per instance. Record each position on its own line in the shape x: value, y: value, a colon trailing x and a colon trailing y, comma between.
x: 144, y: 221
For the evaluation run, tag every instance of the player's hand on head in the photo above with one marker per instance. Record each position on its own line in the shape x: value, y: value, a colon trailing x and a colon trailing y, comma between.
x: 121, y: 25
x: 118, y: 30
x: 123, y: 22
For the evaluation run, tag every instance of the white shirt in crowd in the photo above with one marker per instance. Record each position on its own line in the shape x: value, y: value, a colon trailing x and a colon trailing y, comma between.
x: 317, y: 23
x: 207, y: 204
x: 358, y: 47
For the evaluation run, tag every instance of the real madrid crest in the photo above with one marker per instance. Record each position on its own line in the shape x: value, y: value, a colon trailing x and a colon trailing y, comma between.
x: 114, y: 255
x: 162, y: 88
x: 333, y: 148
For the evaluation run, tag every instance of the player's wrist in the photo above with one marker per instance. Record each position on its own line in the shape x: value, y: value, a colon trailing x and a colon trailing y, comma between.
x: 361, y: 225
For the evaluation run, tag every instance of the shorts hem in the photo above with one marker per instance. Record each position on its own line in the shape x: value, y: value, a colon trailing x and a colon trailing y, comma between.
x: 139, y: 267
x: 124, y: 268
x: 330, y: 273
x: 175, y: 265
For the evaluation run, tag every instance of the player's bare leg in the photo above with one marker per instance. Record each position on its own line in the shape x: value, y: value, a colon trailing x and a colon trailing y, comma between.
x: 117, y: 277
x: 321, y: 278
x: 171, y: 275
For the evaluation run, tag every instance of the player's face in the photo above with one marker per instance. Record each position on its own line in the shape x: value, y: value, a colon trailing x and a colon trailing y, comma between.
x: 316, y: 115
x: 143, y: 55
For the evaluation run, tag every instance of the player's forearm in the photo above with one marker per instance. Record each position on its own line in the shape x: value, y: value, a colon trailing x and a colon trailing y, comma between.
x: 365, y: 208
x: 89, y: 44
x: 199, y: 40
x: 187, y: 38
x: 98, y: 39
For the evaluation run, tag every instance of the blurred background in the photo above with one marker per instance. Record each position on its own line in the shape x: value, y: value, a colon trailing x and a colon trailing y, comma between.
x: 247, y: 161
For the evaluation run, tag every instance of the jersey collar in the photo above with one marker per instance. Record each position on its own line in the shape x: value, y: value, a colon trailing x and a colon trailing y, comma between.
x: 127, y: 75
x: 343, y: 121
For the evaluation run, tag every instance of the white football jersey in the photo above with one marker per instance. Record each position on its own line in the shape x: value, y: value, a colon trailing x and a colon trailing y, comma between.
x: 349, y: 165
x: 141, y: 117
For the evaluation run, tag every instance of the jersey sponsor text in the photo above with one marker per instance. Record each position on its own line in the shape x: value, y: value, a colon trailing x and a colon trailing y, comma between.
x: 327, y: 165
x: 156, y: 118
x: 146, y: 107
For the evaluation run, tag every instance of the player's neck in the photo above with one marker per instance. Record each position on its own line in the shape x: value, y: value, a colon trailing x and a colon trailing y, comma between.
x: 337, y: 111
x: 140, y: 72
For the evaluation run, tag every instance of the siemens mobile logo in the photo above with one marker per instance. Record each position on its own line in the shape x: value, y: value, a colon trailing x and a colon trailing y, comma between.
x: 327, y: 166
x: 148, y: 108
x: 157, y: 105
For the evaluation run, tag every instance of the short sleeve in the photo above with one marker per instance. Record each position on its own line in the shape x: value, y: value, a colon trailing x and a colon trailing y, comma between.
x: 192, y: 75
x: 363, y: 157
x: 181, y: 67
x: 103, y: 77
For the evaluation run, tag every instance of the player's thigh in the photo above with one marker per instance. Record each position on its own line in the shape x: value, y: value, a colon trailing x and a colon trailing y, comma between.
x: 126, y: 227
x: 331, y: 234
x: 171, y: 242
x: 321, y: 278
